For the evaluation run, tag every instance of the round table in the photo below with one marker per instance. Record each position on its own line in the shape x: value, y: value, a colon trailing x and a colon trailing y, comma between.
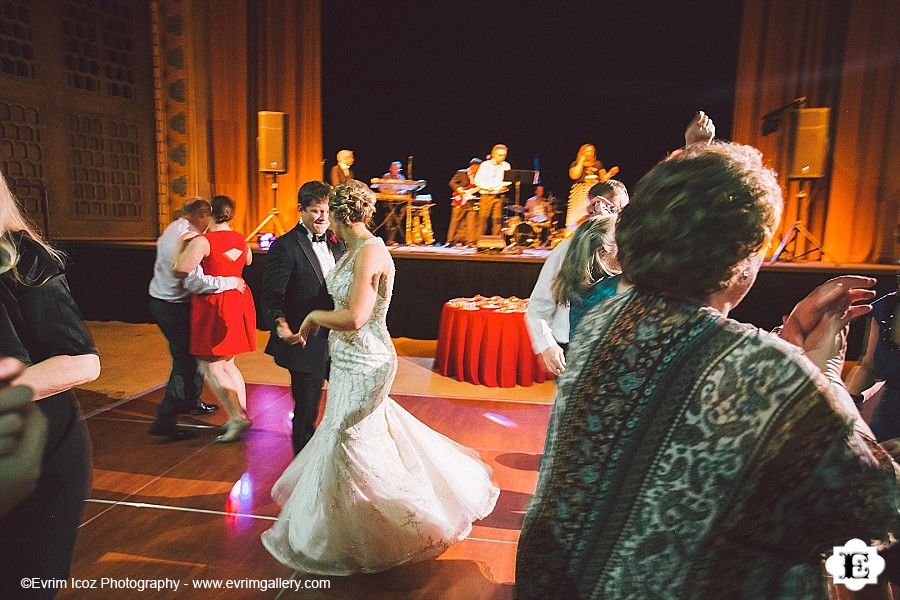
x: 486, y: 347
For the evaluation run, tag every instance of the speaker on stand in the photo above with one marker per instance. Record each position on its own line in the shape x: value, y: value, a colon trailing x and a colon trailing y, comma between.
x: 808, y: 150
x: 272, y: 148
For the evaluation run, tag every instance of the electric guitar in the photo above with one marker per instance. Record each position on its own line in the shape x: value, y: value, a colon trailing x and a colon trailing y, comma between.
x: 468, y: 193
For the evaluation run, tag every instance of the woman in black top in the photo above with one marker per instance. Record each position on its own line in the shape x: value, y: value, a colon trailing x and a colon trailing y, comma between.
x: 41, y: 326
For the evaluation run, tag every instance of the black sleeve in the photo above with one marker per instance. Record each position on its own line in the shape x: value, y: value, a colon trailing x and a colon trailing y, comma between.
x: 456, y: 182
x: 48, y: 320
x: 55, y: 325
x: 276, y: 275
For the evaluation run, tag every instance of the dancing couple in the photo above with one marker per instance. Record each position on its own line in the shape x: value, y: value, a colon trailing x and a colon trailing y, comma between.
x: 374, y: 487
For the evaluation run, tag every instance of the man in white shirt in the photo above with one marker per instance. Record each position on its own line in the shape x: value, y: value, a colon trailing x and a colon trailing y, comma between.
x: 547, y: 321
x: 170, y: 305
x: 489, y: 179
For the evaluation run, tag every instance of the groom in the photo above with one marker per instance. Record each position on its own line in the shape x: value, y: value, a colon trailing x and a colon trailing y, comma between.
x: 294, y: 285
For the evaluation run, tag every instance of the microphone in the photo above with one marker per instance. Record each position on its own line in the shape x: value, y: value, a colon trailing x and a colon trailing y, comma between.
x: 409, y: 161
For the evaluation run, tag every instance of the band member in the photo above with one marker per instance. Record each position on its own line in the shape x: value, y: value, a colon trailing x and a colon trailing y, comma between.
x: 586, y: 171
x: 463, y: 216
x: 341, y: 172
x: 490, y: 179
x: 538, y: 207
x: 394, y: 174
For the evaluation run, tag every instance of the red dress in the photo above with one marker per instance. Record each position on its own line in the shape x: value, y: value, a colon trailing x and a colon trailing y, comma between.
x: 223, y: 324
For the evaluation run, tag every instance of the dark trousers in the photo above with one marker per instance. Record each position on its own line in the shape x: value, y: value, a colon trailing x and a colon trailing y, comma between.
x: 306, y: 388
x: 185, y: 381
x: 37, y: 537
x: 462, y: 224
x: 490, y: 207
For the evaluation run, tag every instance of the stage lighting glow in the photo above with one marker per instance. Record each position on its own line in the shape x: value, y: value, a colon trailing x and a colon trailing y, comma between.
x: 240, y: 500
x: 500, y: 420
x: 265, y: 241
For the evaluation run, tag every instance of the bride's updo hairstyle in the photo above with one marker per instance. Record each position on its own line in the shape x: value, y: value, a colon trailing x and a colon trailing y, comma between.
x: 351, y: 202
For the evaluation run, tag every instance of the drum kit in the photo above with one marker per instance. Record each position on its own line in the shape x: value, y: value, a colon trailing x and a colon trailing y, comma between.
x: 538, y: 231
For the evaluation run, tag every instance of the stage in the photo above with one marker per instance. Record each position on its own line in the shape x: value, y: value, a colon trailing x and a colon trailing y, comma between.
x: 109, y: 281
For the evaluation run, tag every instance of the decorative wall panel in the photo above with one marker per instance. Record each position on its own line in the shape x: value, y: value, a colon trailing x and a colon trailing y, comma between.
x: 77, y: 116
x: 105, y: 168
x: 16, y: 39
x: 22, y: 158
x: 100, y: 46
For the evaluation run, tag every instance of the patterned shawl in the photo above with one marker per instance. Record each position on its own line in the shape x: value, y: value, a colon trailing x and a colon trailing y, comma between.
x: 691, y: 456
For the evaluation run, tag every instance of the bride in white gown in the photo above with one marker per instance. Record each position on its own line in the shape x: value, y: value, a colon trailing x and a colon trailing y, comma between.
x: 374, y: 488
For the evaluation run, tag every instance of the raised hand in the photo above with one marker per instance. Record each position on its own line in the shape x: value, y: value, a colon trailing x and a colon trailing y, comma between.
x: 817, y: 324
x: 701, y: 130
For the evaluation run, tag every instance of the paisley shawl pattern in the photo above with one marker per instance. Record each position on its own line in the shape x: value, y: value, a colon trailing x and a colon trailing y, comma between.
x: 687, y: 452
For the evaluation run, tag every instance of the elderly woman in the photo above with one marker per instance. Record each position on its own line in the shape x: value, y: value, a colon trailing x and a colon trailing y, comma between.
x: 689, y: 455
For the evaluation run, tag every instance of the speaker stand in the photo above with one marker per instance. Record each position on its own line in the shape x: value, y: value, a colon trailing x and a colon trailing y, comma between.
x: 800, y: 239
x: 273, y: 213
x: 798, y: 234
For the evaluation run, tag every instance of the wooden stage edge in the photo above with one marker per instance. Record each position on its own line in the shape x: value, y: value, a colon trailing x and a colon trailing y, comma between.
x: 109, y: 281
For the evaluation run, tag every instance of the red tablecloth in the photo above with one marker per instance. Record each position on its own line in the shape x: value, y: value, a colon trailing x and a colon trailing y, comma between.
x: 486, y: 347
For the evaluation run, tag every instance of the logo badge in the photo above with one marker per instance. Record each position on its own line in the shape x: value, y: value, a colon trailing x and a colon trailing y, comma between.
x: 855, y: 565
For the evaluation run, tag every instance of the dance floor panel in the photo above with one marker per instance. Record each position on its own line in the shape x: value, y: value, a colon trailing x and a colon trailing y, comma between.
x: 195, y: 509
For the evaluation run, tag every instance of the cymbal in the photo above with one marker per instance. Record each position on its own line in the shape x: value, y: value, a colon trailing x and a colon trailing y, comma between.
x: 515, y: 209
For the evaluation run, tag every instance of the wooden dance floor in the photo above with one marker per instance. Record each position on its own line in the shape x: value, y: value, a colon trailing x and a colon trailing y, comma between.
x: 194, y: 510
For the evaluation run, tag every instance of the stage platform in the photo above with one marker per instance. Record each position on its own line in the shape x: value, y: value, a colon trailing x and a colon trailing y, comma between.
x: 109, y: 281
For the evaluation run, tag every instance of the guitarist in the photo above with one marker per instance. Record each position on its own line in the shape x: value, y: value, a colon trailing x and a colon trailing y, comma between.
x: 463, y: 206
x: 490, y: 179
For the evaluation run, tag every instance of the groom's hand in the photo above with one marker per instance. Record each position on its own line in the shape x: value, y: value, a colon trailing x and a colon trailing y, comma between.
x: 284, y: 333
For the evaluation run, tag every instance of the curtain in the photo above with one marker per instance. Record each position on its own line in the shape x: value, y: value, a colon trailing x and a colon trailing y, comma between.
x: 263, y: 55
x: 843, y: 55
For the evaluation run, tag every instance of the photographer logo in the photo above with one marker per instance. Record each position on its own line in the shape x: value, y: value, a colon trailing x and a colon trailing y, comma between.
x: 855, y: 565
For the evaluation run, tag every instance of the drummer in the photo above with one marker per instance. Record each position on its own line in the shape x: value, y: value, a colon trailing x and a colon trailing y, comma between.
x: 538, y: 207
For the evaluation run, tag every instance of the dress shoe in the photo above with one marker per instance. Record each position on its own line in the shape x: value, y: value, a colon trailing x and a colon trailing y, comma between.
x: 171, y: 434
x: 202, y: 408
x: 233, y: 430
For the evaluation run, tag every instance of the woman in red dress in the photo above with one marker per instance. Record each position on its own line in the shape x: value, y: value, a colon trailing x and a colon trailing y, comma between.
x: 222, y: 324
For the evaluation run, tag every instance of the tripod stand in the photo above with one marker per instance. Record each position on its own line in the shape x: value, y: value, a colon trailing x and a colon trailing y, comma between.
x: 273, y: 213
x: 798, y: 236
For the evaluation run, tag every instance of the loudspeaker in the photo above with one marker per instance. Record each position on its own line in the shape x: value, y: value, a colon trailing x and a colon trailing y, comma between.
x: 809, y: 143
x: 272, y: 142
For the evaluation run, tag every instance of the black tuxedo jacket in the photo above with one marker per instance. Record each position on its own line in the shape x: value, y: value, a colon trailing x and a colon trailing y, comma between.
x: 293, y: 286
x: 337, y: 175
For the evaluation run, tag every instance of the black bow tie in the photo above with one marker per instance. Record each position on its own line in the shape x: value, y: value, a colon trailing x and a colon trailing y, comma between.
x: 320, y: 237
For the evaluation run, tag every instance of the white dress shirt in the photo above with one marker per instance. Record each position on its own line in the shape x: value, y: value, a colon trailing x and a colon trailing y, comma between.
x: 323, y: 253
x: 165, y: 285
x: 490, y: 174
x: 547, y: 321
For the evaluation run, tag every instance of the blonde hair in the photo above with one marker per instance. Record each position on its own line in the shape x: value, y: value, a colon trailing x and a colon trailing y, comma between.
x: 352, y: 202
x: 12, y: 221
x: 591, y: 257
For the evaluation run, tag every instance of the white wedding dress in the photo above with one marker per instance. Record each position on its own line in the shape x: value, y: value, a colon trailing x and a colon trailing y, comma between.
x: 374, y: 488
